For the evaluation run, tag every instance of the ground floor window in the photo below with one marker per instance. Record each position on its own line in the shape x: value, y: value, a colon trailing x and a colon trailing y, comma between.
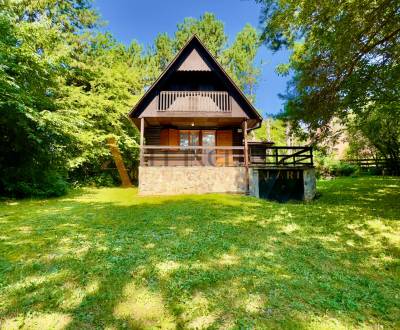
x: 189, y: 138
x: 196, y: 138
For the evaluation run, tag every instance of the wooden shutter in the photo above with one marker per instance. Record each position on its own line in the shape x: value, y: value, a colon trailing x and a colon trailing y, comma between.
x: 173, y: 137
x: 164, y: 137
x: 169, y: 137
x: 224, y: 157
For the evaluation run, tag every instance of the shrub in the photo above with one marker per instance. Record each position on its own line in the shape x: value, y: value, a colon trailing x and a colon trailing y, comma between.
x: 326, y: 166
x: 27, y: 184
x: 343, y: 169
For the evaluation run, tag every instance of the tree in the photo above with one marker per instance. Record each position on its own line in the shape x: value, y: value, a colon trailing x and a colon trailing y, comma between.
x: 381, y: 126
x: 345, y: 56
x: 208, y: 28
x: 277, y: 131
x: 104, y: 81
x: 239, y: 60
x: 32, y: 58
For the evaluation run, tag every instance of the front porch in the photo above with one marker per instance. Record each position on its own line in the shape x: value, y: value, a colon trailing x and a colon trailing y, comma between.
x: 258, y: 154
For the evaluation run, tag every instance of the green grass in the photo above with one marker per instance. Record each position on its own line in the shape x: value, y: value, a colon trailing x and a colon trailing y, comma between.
x: 107, y: 258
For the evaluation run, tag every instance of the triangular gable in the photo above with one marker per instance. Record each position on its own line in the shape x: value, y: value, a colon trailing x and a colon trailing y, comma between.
x: 194, y: 62
x: 190, y: 59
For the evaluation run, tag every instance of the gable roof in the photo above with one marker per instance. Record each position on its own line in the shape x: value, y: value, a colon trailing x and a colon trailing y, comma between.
x: 200, y: 64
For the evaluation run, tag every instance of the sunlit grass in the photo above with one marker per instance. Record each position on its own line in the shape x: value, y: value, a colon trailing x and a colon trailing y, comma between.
x: 107, y: 258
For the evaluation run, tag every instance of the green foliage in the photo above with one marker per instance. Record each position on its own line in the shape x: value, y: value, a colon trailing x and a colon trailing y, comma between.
x: 208, y: 28
x: 64, y: 91
x: 98, y: 96
x: 47, y: 183
x: 327, y: 166
x: 344, y: 169
x: 359, y: 146
x: 345, y: 57
x: 31, y: 145
x: 238, y: 60
x: 107, y: 258
x: 381, y: 127
x: 277, y: 131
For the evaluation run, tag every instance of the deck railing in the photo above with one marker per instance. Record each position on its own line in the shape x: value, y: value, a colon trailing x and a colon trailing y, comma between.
x: 192, y: 156
x: 274, y: 156
x: 207, y: 101
x: 226, y: 156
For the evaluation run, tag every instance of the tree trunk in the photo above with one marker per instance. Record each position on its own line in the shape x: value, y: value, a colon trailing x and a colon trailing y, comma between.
x: 123, y: 174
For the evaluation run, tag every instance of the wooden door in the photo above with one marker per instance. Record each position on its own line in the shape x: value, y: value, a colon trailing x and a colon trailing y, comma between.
x: 224, y: 157
x: 168, y: 137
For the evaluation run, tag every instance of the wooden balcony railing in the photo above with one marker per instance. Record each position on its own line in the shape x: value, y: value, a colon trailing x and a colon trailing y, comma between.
x: 194, y: 101
x: 226, y: 156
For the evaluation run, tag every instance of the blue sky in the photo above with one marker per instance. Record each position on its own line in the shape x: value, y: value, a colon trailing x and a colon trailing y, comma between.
x: 143, y: 20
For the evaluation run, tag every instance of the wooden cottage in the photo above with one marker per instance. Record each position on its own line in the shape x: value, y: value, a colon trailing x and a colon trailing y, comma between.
x: 193, y: 123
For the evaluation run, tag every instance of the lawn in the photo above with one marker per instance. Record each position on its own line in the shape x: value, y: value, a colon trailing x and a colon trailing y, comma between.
x: 107, y: 258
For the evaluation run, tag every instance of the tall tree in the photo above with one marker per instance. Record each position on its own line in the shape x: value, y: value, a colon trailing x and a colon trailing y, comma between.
x: 98, y: 94
x: 239, y: 60
x: 208, y: 28
x: 345, y: 56
x: 33, y: 56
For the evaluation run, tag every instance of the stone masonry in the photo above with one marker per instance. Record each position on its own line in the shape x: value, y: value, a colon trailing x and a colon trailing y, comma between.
x: 164, y: 180
x: 310, y: 184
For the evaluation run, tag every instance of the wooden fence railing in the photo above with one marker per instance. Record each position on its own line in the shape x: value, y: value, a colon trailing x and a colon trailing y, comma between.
x: 367, y: 162
x: 376, y: 165
x: 194, y: 101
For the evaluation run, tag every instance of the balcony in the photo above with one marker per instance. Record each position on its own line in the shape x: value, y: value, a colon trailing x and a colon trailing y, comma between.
x: 194, y: 101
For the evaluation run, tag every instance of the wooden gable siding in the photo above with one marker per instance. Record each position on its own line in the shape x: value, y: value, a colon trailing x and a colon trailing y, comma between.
x: 194, y: 62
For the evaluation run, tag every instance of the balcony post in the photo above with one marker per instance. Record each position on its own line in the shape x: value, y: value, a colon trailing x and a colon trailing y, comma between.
x: 246, y: 150
x: 141, y: 141
x: 246, y: 155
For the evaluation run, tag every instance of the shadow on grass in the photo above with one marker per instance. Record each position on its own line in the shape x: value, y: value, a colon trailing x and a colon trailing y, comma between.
x: 108, y: 258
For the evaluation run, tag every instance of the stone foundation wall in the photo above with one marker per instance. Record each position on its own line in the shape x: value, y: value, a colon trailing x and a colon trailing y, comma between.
x: 164, y: 180
x: 310, y: 184
x: 253, y: 183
